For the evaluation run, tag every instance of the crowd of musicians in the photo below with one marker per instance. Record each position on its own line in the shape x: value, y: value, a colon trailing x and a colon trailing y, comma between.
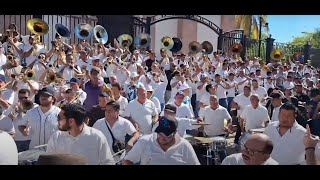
x: 102, y: 104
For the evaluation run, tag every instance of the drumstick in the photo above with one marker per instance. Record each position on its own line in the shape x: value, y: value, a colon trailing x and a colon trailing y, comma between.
x: 40, y: 146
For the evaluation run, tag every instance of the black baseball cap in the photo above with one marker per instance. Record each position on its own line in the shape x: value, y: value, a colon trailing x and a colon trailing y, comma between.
x: 167, y: 126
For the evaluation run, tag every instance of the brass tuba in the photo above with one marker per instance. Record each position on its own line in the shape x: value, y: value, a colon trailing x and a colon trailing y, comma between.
x: 63, y: 31
x: 125, y: 40
x: 143, y: 40
x: 236, y: 48
x: 195, y: 47
x: 167, y: 42
x: 207, y: 47
x: 83, y: 31
x: 100, y: 34
x: 177, y: 45
x: 38, y: 27
x: 30, y: 74
x: 277, y: 54
x: 51, y: 78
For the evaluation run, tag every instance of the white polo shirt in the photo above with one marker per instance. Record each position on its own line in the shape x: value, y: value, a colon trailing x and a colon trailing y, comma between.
x: 289, y: 148
x: 8, y: 150
x: 242, y: 101
x: 255, y: 118
x: 275, y: 114
x: 216, y: 120
x: 221, y: 90
x: 205, y: 99
x: 183, y: 111
x: 120, y: 129
x: 160, y: 89
x: 42, y: 125
x: 147, y: 151
x: 237, y: 159
x: 260, y: 91
x: 142, y: 114
x: 123, y: 104
x: 91, y: 143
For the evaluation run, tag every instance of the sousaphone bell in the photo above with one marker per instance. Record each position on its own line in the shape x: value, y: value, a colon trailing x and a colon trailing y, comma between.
x: 195, y: 47
x: 62, y: 31
x: 100, y: 34
x: 125, y: 40
x: 277, y: 54
x: 167, y: 42
x: 177, y: 45
x: 83, y: 31
x: 236, y: 48
x: 38, y: 27
x: 207, y: 47
x: 143, y: 40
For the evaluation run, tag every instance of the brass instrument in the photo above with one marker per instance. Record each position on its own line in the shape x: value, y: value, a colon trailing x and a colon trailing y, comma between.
x: 195, y: 47
x: 38, y: 28
x: 177, y: 45
x: 277, y: 54
x: 207, y: 47
x: 167, y: 42
x: 51, y: 78
x: 236, y: 48
x: 22, y: 107
x: 84, y: 31
x: 107, y: 90
x: 4, y: 87
x: 146, y: 68
x: 125, y: 40
x: 100, y: 34
x: 143, y: 40
x: 29, y: 74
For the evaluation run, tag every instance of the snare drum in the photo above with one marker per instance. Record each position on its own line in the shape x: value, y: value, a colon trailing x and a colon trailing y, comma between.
x: 219, y: 143
x: 245, y: 136
x: 29, y: 157
x: 202, y: 148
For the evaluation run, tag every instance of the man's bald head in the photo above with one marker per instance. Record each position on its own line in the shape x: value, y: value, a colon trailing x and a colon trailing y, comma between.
x: 262, y: 140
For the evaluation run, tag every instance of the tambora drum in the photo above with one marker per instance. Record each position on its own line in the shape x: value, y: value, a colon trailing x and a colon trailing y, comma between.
x: 29, y: 157
x: 219, y: 143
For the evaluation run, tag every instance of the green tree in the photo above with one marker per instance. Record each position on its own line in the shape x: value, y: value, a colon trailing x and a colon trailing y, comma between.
x: 249, y: 23
x: 312, y: 37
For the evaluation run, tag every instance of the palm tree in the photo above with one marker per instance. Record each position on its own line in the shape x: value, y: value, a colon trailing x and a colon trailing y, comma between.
x: 249, y: 23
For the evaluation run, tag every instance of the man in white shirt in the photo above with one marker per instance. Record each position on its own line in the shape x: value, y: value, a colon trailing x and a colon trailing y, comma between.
x: 239, y: 103
x: 116, y: 91
x: 114, y: 126
x: 142, y: 112
x: 183, y: 111
x: 6, y: 95
x: 75, y: 86
x: 256, y: 151
x: 70, y: 69
x: 7, y: 125
x: 276, y: 103
x: 287, y: 136
x: 75, y: 137
x: 254, y: 116
x: 260, y: 91
x: 215, y: 115
x: 8, y: 150
x: 165, y: 147
x: 150, y: 95
x: 41, y: 122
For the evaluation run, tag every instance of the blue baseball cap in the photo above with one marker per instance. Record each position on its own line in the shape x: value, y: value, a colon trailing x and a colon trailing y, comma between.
x: 74, y: 80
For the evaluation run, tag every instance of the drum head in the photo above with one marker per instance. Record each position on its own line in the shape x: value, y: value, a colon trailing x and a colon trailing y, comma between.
x: 30, y: 155
x: 218, y: 139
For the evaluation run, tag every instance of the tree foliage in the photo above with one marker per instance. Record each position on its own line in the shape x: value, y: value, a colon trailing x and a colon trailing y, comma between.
x: 312, y: 37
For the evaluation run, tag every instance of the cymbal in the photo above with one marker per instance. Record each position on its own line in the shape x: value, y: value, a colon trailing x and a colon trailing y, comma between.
x: 200, y: 140
x: 259, y: 130
x: 201, y: 124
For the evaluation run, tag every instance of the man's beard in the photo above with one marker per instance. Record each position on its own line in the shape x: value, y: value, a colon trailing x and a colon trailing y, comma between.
x: 65, y: 127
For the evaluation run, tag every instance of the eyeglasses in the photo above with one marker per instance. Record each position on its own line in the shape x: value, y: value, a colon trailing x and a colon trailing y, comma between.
x: 21, y: 98
x: 251, y: 152
x: 165, y: 136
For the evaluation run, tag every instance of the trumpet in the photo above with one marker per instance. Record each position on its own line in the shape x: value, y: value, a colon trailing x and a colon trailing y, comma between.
x: 4, y: 87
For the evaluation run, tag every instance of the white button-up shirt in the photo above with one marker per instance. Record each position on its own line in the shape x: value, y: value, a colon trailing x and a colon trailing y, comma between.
x: 8, y: 150
x: 147, y: 151
x: 91, y: 143
x: 289, y: 148
x: 42, y: 125
x: 255, y: 118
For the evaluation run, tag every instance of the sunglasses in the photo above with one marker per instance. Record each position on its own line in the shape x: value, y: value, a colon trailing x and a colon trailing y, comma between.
x: 165, y: 136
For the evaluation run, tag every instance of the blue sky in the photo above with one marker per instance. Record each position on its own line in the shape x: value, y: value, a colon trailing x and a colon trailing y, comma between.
x: 285, y: 27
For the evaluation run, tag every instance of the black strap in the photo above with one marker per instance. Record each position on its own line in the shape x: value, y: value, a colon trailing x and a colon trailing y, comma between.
x: 113, y: 139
